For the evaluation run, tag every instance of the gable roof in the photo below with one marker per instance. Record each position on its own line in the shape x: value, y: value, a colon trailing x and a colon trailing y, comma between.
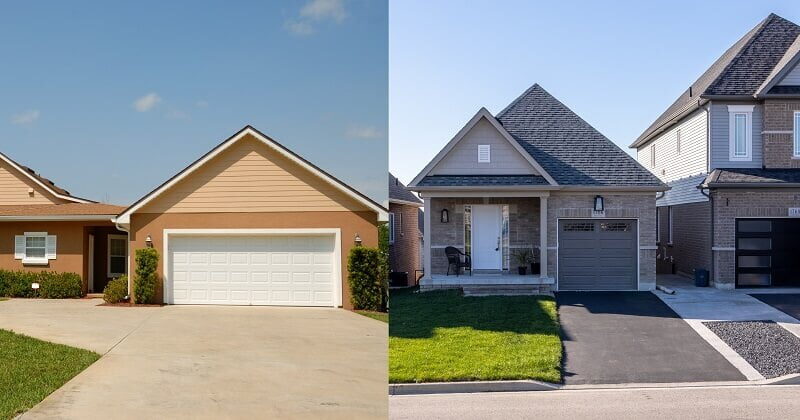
x: 739, y: 72
x: 68, y: 211
x: 399, y: 193
x: 482, y: 113
x: 43, y: 182
x: 567, y: 147
x: 124, y: 217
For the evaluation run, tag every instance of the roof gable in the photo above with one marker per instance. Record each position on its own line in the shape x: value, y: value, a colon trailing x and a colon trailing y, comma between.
x: 18, y: 178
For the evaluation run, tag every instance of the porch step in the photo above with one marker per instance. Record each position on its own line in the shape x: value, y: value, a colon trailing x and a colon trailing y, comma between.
x: 505, y: 290
x: 94, y: 295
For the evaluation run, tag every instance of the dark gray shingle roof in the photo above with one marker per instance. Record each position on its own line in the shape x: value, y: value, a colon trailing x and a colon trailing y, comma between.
x: 753, y: 176
x: 480, y: 180
x: 739, y: 71
x: 567, y: 147
x: 398, y: 191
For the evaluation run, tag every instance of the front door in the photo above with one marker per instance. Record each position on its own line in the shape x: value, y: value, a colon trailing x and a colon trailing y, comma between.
x: 486, y: 223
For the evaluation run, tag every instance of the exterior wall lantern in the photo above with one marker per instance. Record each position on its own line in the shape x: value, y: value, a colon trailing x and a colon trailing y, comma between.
x: 598, y: 203
x: 445, y: 216
x: 148, y: 241
x: 358, y: 240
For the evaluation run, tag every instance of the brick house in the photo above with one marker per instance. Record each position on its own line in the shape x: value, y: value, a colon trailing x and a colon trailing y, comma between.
x: 729, y: 148
x: 405, y: 233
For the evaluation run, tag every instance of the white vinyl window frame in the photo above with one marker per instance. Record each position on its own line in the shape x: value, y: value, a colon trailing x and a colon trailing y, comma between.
x: 35, y: 248
x: 391, y: 228
x: 678, y: 141
x: 740, y: 132
x: 109, y: 255
x: 796, y: 135
x: 484, y: 153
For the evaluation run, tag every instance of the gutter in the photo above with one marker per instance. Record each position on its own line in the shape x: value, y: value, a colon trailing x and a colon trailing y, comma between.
x: 56, y: 218
x: 125, y: 229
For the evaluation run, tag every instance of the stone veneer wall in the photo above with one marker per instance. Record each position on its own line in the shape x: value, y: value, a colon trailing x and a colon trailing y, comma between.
x: 523, y: 219
x: 733, y: 203
x: 618, y: 206
x: 777, y: 137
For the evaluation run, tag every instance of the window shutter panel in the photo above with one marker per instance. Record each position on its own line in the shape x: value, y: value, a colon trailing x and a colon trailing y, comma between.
x: 19, y: 247
x: 50, y: 252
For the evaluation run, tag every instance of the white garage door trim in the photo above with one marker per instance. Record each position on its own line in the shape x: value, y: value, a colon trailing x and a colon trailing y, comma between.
x: 638, y: 249
x: 337, y: 250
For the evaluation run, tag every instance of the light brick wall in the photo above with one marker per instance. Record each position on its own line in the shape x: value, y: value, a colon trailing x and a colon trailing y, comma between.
x: 404, y: 253
x: 730, y: 204
x: 778, y: 147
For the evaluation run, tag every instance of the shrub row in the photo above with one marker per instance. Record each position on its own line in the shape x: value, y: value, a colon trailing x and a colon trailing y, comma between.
x: 52, y: 285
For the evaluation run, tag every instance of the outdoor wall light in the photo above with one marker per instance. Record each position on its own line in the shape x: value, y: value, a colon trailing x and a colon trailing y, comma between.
x: 358, y: 240
x: 445, y: 216
x: 148, y: 241
x: 598, y: 203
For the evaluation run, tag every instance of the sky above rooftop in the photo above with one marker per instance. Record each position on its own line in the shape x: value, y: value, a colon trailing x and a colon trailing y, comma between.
x: 618, y: 65
x: 111, y: 99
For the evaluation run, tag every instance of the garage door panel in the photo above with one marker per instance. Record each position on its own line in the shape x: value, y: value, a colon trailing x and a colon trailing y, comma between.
x: 597, y: 255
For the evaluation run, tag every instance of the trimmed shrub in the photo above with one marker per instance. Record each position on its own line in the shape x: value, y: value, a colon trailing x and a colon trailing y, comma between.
x: 144, y: 282
x: 54, y: 285
x: 366, y: 277
x: 116, y: 290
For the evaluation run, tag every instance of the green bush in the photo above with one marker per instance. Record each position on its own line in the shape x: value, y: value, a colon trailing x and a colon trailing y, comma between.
x: 144, y: 282
x: 116, y: 290
x: 52, y: 285
x: 366, y: 277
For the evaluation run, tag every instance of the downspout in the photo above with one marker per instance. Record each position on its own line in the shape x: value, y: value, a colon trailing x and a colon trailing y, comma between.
x: 126, y: 230
x: 711, y: 202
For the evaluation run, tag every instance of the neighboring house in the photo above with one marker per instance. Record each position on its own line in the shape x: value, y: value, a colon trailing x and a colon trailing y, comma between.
x: 249, y: 223
x: 531, y: 177
x: 405, y: 236
x: 729, y: 147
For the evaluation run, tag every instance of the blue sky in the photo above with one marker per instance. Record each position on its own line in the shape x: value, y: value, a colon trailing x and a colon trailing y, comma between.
x: 617, y: 64
x: 109, y: 99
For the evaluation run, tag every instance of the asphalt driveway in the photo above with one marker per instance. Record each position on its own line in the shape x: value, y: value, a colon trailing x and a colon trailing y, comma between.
x: 633, y: 337
x: 788, y: 303
x: 211, y: 361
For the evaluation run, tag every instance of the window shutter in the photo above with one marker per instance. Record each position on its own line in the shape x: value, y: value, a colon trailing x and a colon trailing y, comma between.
x: 484, y: 153
x: 51, y: 247
x: 19, y: 247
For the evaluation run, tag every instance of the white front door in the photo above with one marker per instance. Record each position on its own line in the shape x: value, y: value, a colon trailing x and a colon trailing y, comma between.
x: 486, y: 221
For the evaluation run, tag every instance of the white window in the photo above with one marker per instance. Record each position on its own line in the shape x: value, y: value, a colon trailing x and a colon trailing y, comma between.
x: 797, y: 134
x: 35, y: 248
x: 653, y: 156
x: 117, y: 255
x: 678, y: 141
x: 484, y: 153
x: 391, y: 228
x: 669, y: 225
x: 741, y: 132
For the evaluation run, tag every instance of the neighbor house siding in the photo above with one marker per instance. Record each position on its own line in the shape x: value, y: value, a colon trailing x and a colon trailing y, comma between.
x: 672, y: 164
x: 404, y: 254
x: 251, y: 177
x: 15, y: 187
x: 792, y: 78
x: 463, y: 157
x: 720, y: 140
x: 778, y: 133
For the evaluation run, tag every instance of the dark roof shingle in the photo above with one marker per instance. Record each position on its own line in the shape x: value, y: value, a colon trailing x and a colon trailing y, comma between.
x: 752, y: 176
x: 398, y: 191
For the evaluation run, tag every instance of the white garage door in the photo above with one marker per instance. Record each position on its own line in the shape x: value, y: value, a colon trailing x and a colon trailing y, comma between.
x: 252, y: 270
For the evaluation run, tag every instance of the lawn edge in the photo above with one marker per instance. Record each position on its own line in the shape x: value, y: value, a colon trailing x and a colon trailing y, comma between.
x: 471, y: 387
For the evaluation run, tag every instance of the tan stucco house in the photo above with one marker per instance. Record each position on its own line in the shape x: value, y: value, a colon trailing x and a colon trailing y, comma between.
x: 249, y: 223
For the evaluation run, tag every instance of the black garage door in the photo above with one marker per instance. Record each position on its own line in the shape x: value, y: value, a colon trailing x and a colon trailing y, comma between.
x: 597, y: 255
x: 767, y: 252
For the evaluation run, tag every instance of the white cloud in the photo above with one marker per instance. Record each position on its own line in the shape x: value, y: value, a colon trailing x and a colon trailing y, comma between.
x: 146, y: 102
x: 25, y: 118
x: 362, y: 132
x: 313, y: 12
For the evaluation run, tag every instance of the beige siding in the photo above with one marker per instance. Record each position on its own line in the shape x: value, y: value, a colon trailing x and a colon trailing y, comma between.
x: 672, y: 165
x: 14, y: 189
x: 250, y: 177
x: 462, y: 159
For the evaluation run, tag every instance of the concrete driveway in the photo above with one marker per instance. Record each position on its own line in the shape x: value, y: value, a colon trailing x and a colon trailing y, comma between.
x: 211, y: 361
x: 633, y: 337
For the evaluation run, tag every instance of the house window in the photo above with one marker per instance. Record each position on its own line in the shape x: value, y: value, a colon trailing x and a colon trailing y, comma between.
x: 484, y: 153
x: 653, y: 156
x: 678, y: 141
x: 797, y: 134
x: 669, y: 225
x: 741, y: 132
x: 35, y: 248
x: 117, y: 255
x: 391, y: 228
x: 399, y: 221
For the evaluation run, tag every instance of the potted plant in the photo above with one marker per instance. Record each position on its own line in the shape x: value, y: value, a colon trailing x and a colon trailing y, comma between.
x: 523, y: 257
x: 536, y: 266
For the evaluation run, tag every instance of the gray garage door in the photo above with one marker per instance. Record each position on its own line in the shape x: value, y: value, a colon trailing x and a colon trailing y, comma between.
x: 597, y: 255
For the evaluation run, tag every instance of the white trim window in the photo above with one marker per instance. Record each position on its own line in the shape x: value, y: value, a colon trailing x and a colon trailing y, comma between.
x: 669, y: 225
x: 484, y: 153
x: 35, y: 248
x: 741, y: 132
x: 797, y: 134
x: 678, y: 141
x: 117, y: 253
x: 391, y: 228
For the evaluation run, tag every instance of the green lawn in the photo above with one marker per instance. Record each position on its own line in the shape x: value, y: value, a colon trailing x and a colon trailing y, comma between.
x: 3, y: 298
x: 32, y: 369
x: 443, y: 336
x: 380, y: 316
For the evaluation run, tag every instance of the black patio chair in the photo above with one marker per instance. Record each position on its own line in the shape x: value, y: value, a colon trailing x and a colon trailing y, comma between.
x: 454, y: 260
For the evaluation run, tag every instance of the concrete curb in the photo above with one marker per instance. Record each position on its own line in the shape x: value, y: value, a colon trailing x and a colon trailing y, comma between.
x: 791, y: 379
x: 470, y: 387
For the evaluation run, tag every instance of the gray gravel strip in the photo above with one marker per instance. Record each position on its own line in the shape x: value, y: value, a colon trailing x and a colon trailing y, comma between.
x: 768, y: 347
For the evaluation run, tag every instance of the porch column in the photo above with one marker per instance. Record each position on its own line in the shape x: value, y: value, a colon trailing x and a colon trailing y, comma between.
x: 542, y: 235
x: 426, y: 239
